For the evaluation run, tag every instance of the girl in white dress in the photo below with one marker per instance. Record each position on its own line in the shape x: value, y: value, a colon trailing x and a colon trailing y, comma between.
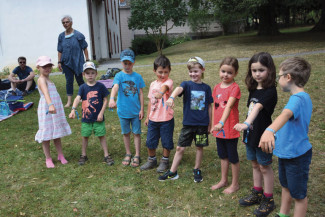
x: 51, y: 117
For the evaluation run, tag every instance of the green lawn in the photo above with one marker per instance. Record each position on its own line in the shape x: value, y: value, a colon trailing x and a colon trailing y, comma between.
x: 28, y: 188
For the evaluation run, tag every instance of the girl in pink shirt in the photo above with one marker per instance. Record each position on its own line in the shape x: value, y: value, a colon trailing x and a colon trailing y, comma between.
x: 226, y: 96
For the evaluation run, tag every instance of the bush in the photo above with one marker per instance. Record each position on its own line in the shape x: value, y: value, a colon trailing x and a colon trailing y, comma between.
x: 179, y: 39
x: 143, y: 45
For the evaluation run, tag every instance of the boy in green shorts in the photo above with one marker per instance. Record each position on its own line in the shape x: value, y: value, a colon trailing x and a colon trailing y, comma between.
x: 94, y: 101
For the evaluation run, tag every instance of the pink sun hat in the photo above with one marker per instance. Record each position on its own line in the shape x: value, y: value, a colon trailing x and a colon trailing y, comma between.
x: 43, y: 61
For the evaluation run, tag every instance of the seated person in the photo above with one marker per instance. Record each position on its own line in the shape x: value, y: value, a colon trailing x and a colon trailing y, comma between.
x: 26, y: 76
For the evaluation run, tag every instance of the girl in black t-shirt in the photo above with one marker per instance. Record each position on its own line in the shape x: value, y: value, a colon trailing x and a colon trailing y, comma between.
x: 261, y: 84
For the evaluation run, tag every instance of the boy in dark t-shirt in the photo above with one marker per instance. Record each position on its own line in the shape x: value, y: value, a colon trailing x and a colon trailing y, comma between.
x: 197, y: 111
x: 94, y: 101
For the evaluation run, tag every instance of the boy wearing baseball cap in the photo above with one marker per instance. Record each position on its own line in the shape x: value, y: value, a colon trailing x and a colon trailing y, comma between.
x: 128, y: 86
x: 94, y: 101
x: 197, y: 111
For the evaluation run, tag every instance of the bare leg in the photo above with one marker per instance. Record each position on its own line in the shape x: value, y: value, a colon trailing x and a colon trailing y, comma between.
x: 46, y: 149
x: 268, y: 177
x: 257, y: 174
x: 224, y: 175
x: 137, y: 144
x: 198, y: 158
x: 58, y: 146
x: 286, y: 200
x: 235, y: 179
x: 300, y: 207
x: 69, y: 102
x: 151, y: 152
x: 177, y: 158
x: 166, y: 152
x: 84, y: 146
x: 29, y: 84
x: 126, y: 139
x: 13, y: 86
x: 102, y: 140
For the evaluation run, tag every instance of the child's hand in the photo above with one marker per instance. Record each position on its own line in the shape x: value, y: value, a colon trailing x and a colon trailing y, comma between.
x: 170, y: 102
x: 100, y: 117
x: 140, y: 115
x: 240, y: 127
x: 217, y: 127
x: 267, y: 142
x: 146, y: 122
x: 158, y: 95
x: 72, y: 114
x: 52, y: 109
x: 112, y: 103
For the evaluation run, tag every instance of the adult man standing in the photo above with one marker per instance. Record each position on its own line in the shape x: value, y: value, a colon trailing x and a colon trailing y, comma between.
x: 26, y: 76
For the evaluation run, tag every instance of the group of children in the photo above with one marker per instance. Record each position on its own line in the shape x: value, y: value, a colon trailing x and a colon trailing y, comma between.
x: 204, y: 112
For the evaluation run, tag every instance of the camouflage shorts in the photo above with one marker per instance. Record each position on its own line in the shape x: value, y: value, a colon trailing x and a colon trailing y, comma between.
x: 198, y: 133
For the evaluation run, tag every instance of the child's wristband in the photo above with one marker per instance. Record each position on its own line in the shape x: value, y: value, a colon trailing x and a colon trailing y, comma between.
x: 271, y: 130
x: 247, y: 124
x: 221, y: 122
x: 73, y: 108
x: 112, y: 98
x: 162, y: 93
x: 50, y: 104
x: 171, y: 98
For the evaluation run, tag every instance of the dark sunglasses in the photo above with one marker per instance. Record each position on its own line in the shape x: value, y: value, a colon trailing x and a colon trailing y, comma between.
x: 22, y: 62
x: 65, y: 22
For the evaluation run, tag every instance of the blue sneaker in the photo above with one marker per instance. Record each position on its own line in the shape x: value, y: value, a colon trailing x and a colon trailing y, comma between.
x: 197, y: 175
x: 169, y: 176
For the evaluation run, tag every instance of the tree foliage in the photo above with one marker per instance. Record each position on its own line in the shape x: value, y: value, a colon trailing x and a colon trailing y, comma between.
x: 157, y: 17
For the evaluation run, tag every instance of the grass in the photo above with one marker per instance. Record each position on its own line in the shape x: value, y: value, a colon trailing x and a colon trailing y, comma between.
x: 27, y: 188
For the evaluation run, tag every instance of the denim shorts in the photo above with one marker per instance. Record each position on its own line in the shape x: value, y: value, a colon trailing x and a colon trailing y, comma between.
x: 262, y: 158
x: 163, y: 130
x: 227, y: 148
x: 293, y: 174
x: 198, y: 133
x: 134, y: 122
x: 88, y: 128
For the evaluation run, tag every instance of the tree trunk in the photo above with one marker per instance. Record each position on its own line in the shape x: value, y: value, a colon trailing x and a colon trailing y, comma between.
x: 320, y: 26
x: 267, y: 18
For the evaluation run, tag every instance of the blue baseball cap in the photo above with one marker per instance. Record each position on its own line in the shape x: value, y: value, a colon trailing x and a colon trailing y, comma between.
x: 127, y: 55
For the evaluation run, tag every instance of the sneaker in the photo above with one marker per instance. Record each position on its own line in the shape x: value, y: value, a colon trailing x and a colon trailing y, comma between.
x: 108, y: 160
x: 25, y: 93
x: 168, y: 176
x: 150, y: 164
x: 163, y: 166
x: 254, y: 198
x: 266, y: 207
x: 82, y: 160
x: 197, y: 175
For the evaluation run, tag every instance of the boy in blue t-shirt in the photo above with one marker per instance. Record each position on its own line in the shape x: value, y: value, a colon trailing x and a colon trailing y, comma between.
x: 129, y: 84
x: 94, y: 102
x: 197, y: 110
x: 291, y: 143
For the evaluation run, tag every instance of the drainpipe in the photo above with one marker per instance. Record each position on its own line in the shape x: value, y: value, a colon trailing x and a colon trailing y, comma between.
x: 92, y: 29
x: 107, y: 32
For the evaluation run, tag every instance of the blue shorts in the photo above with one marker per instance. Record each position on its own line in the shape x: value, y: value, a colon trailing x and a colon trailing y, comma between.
x: 134, y: 122
x: 163, y: 130
x: 262, y: 158
x: 227, y: 148
x: 198, y: 133
x: 293, y: 174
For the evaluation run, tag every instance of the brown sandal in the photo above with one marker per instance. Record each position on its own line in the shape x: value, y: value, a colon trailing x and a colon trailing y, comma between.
x: 136, y: 160
x: 127, y: 159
